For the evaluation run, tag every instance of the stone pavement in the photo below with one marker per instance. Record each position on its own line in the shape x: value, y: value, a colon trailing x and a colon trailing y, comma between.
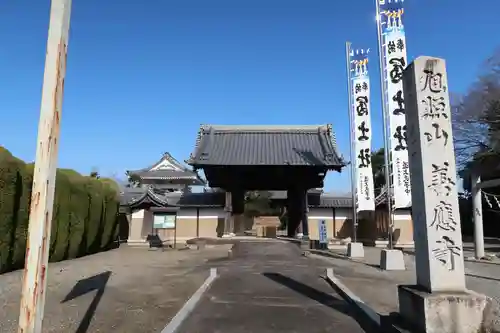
x: 378, y: 288
x: 270, y: 287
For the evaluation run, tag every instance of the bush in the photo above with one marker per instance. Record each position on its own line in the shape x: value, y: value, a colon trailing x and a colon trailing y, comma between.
x: 78, y: 209
x: 10, y: 186
x: 84, y: 217
x: 110, y: 214
x: 22, y: 218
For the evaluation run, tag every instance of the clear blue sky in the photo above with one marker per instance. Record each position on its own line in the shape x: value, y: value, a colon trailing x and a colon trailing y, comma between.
x: 143, y: 75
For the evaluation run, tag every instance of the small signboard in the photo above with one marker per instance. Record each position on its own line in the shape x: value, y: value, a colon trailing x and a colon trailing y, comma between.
x: 164, y: 221
x: 323, y: 235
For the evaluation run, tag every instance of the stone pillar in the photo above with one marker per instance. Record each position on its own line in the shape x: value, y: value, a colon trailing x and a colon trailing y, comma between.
x: 227, y: 220
x: 477, y: 211
x: 440, y: 301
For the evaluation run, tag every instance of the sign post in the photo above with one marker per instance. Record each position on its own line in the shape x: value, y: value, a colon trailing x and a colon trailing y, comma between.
x: 323, y: 235
x: 42, y: 197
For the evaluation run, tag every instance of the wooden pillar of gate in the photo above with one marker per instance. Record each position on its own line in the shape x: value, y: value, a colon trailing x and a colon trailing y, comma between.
x: 238, y: 201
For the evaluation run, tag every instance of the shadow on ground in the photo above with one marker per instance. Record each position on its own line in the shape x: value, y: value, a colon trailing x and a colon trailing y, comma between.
x: 97, y: 282
x: 323, y: 298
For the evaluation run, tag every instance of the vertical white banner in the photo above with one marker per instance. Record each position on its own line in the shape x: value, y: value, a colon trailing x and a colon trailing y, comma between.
x: 362, y: 130
x: 395, y: 61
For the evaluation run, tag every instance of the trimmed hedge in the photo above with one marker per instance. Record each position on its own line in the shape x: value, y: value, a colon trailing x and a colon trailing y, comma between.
x: 84, y: 218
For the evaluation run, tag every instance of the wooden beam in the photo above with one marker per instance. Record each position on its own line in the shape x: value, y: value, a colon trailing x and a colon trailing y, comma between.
x: 489, y: 183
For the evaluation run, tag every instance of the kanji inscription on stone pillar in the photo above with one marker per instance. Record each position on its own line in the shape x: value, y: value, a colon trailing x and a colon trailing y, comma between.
x: 435, y: 210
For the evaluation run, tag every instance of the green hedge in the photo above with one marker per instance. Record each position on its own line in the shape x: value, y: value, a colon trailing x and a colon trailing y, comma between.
x: 84, y: 218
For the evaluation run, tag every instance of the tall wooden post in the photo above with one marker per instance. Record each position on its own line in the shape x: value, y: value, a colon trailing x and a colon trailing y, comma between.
x: 42, y: 200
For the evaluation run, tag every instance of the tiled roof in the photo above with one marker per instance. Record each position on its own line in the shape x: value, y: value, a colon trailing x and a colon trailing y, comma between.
x: 182, y: 172
x: 284, y: 194
x: 329, y: 201
x: 167, y: 174
x: 266, y: 145
x: 381, y: 199
x: 136, y: 196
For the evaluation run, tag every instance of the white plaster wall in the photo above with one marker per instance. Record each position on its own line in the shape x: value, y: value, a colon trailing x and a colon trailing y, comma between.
x: 205, y: 213
x: 320, y: 213
x: 138, y: 214
x: 343, y: 213
x: 147, y: 224
x: 402, y: 215
x: 187, y: 213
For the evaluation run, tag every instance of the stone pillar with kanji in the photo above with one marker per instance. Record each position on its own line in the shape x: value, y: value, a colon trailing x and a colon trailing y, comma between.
x: 440, y: 302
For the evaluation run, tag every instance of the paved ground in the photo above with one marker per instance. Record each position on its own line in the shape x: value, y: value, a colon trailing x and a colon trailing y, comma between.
x: 269, y: 287
x: 378, y: 288
x: 124, y: 290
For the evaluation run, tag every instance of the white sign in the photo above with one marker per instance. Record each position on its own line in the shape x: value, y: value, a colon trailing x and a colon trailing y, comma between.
x: 164, y: 221
x: 362, y: 131
x: 323, y: 235
x: 394, y: 46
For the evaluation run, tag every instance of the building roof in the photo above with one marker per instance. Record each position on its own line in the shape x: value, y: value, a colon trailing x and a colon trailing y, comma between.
x: 281, y: 195
x: 168, y: 168
x: 329, y: 201
x: 381, y: 199
x: 311, y: 145
x: 133, y: 197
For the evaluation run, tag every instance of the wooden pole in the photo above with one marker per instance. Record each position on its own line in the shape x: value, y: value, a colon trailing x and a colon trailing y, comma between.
x: 42, y: 199
x: 385, y: 120
x: 352, y: 154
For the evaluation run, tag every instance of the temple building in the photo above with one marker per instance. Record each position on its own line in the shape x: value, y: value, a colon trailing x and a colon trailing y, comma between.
x: 290, y: 162
x: 166, y: 175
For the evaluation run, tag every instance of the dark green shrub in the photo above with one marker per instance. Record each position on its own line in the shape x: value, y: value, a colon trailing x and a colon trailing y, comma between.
x: 21, y: 225
x: 110, y: 216
x: 10, y: 188
x: 96, y: 223
x: 61, y: 218
x: 78, y: 208
x: 84, y: 219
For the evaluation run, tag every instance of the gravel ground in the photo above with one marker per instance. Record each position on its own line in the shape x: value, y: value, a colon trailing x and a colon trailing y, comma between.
x: 378, y: 288
x: 123, y: 290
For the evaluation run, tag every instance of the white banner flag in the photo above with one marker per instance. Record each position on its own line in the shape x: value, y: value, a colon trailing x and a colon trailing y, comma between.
x: 362, y: 131
x: 395, y: 61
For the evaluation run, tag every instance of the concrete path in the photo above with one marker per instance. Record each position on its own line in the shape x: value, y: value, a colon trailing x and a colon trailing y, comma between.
x: 270, y: 287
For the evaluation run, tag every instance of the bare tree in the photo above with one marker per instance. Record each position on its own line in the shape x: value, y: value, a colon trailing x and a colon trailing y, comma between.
x: 476, y: 116
x: 94, y: 173
x: 121, y: 181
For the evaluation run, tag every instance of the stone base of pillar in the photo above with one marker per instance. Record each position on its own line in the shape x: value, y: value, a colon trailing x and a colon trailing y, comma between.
x: 445, y: 312
x: 355, y: 250
x: 392, y: 260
